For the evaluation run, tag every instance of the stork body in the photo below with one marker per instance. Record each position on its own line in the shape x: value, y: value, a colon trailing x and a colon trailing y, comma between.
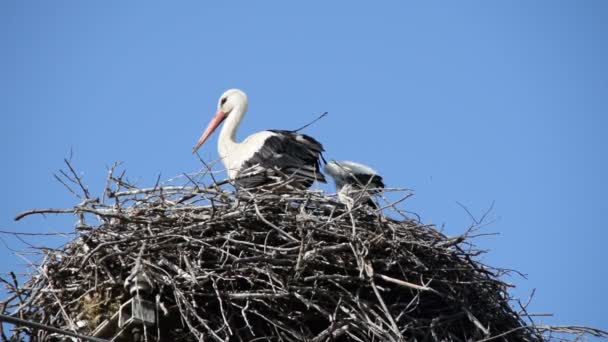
x: 265, y: 157
x: 355, y: 182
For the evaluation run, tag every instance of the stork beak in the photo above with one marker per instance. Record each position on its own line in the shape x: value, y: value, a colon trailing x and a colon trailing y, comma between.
x: 216, y: 121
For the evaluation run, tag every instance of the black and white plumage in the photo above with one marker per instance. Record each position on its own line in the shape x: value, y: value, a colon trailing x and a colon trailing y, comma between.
x: 284, y: 154
x: 355, y: 182
x: 265, y: 157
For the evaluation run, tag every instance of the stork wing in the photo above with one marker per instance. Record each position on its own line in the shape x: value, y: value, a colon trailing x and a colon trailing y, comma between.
x: 284, y: 154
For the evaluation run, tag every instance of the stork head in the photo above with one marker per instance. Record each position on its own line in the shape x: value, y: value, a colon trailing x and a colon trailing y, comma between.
x: 226, y: 105
x: 348, y: 172
x: 231, y: 98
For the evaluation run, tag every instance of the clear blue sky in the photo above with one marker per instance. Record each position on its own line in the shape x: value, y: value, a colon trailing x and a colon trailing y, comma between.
x: 468, y: 101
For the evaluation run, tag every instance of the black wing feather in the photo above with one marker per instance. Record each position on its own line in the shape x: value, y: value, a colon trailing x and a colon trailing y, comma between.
x: 284, y: 154
x: 375, y: 181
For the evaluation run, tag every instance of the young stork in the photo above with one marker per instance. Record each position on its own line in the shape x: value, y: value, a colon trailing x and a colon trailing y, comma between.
x: 355, y: 183
x: 265, y: 157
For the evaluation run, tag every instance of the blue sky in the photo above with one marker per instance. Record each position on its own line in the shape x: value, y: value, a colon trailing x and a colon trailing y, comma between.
x: 472, y: 102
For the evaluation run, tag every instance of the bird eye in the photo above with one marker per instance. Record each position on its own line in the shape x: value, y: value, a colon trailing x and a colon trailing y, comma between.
x: 223, y: 100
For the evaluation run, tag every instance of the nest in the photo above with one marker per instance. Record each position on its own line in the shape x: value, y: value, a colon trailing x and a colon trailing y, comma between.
x: 226, y: 265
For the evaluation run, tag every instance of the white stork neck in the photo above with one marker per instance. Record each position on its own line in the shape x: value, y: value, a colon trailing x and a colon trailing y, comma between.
x: 227, y: 139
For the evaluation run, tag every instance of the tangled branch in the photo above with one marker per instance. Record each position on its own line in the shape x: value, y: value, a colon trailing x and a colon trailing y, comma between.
x: 245, y: 266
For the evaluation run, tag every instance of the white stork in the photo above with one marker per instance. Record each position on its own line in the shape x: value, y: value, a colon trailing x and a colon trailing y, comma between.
x: 265, y: 157
x: 355, y: 183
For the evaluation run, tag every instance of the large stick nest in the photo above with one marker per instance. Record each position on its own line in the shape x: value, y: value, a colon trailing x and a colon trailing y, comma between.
x: 240, y: 266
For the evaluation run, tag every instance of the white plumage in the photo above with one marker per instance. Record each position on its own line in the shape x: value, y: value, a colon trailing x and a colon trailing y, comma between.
x: 355, y: 182
x: 266, y: 156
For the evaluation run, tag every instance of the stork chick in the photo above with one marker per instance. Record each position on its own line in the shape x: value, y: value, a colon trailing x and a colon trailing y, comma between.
x: 355, y: 182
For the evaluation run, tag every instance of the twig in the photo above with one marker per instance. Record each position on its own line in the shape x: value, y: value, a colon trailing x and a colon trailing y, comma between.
x: 310, y: 123
x: 18, y: 321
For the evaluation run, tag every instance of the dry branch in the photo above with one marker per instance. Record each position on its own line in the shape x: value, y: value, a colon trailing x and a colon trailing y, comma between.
x: 239, y: 266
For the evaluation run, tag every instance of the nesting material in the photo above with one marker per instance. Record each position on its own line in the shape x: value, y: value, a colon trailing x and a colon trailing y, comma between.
x: 225, y: 265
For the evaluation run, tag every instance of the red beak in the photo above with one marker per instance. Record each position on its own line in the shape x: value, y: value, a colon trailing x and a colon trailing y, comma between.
x: 216, y: 121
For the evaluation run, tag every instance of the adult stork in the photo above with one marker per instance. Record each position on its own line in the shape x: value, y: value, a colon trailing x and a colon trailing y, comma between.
x: 355, y: 182
x: 266, y: 157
